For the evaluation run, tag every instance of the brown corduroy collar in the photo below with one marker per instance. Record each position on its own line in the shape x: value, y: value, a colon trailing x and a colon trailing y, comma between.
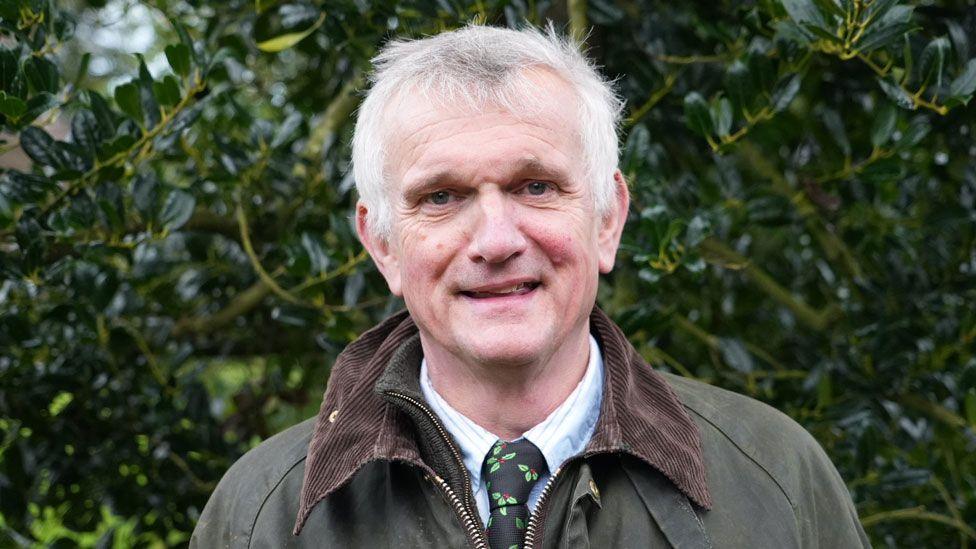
x: 639, y: 415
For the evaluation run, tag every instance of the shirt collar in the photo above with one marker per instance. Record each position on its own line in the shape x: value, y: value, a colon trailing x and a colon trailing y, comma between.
x: 561, y: 435
x: 639, y: 414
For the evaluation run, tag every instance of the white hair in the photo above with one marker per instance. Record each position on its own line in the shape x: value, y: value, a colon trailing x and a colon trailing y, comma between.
x: 480, y: 66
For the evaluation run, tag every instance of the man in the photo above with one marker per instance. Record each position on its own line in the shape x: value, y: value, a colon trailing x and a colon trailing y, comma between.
x: 502, y: 409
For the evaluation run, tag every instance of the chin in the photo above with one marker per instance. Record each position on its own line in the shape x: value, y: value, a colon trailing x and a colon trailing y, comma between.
x: 504, y: 349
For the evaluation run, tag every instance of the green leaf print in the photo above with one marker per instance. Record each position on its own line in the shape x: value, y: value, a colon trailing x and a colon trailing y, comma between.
x: 523, y: 468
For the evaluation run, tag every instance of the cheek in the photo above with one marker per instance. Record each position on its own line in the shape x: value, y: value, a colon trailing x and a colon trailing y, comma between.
x: 564, y: 246
x: 429, y: 258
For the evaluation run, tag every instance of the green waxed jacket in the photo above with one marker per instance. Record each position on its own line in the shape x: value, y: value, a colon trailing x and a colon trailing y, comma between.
x: 672, y: 463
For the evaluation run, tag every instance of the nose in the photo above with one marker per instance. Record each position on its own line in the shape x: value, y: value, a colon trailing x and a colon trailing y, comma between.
x: 496, y: 236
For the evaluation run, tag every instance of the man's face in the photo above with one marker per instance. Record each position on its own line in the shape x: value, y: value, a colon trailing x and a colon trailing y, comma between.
x: 496, y: 247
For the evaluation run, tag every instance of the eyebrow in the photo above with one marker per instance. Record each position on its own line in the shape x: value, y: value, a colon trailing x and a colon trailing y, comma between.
x: 528, y: 165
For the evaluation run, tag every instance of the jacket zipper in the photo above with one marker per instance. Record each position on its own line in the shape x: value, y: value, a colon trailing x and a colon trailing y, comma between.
x: 461, y: 508
x: 536, y: 517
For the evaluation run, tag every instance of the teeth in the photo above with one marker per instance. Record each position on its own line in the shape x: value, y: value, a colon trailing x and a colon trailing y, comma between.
x: 503, y: 291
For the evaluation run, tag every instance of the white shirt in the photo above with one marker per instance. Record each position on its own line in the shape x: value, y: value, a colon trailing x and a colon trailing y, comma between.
x: 563, y: 434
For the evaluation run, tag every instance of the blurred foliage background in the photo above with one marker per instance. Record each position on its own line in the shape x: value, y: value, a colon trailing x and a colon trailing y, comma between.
x: 178, y: 272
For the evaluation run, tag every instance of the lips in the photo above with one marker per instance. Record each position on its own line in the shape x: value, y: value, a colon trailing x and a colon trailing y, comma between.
x: 519, y: 288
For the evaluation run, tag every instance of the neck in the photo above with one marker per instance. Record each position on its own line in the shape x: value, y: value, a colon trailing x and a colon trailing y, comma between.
x: 508, y: 399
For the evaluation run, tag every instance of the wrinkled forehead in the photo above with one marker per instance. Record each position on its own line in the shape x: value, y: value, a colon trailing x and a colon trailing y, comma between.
x: 535, y: 95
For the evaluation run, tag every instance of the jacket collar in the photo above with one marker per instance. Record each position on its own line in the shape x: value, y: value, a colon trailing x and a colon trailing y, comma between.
x: 640, y: 414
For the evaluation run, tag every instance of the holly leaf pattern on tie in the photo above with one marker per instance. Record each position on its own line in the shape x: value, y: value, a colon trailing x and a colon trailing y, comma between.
x: 511, y: 470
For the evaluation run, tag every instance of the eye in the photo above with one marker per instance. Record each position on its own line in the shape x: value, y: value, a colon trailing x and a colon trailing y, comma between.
x: 537, y: 188
x: 439, y: 198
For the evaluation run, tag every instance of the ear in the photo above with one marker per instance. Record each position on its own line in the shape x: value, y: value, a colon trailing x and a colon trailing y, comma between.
x: 384, y: 255
x: 612, y: 224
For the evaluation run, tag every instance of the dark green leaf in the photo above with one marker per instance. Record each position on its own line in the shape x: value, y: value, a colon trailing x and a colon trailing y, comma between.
x: 805, y: 12
x: 41, y: 147
x: 84, y: 130
x: 177, y: 209
x: 697, y: 115
x: 738, y: 84
x: 960, y: 40
x: 82, y: 71
x: 107, y: 119
x: 965, y: 84
x: 11, y: 106
x: 971, y: 407
x: 36, y: 106
x: 884, y: 124
x: 8, y: 69
x: 147, y: 98
x: 882, y: 36
x: 883, y: 171
x: 82, y: 213
x: 721, y: 113
x: 167, y: 90
x: 763, y: 72
x: 108, y: 196
x: 42, y: 75
x: 835, y: 126
x: 897, y: 94
x: 127, y: 98
x: 831, y: 7
x: 178, y: 56
x: 878, y: 9
x: 317, y: 255
x: 734, y: 354
x: 789, y: 33
x: 145, y: 195
x: 932, y: 61
x: 916, y: 132
x: 785, y: 92
x: 287, y: 129
x: 824, y: 390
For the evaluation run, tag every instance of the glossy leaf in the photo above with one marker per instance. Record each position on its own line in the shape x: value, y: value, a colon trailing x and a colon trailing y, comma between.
x: 41, y: 147
x: 177, y: 209
x: 835, y: 126
x: 42, y: 75
x: 785, y: 92
x: 964, y: 85
x: 11, y: 106
x: 738, y: 84
x: 287, y: 40
x: 897, y: 94
x: 178, y: 56
x: 932, y: 62
x: 697, y: 114
x: 805, y: 12
x: 721, y: 114
x: 127, y: 98
x: 167, y: 91
x: 884, y: 124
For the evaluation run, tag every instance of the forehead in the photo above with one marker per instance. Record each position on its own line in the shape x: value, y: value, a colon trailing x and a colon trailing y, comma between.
x: 530, y: 127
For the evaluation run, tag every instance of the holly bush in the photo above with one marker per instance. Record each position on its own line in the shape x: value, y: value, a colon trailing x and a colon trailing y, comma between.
x: 178, y: 271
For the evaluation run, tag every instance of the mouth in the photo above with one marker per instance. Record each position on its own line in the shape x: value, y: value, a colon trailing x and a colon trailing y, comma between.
x: 520, y: 288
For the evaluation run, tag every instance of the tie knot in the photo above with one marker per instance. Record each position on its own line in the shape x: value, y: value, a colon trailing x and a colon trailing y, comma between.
x: 511, y: 470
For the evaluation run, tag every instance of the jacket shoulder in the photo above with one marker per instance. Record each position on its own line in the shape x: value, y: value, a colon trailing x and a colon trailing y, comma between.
x: 783, y: 451
x: 767, y: 436
x: 229, y: 516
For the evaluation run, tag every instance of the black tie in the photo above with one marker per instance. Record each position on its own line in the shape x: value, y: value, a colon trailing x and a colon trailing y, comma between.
x: 511, y: 469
